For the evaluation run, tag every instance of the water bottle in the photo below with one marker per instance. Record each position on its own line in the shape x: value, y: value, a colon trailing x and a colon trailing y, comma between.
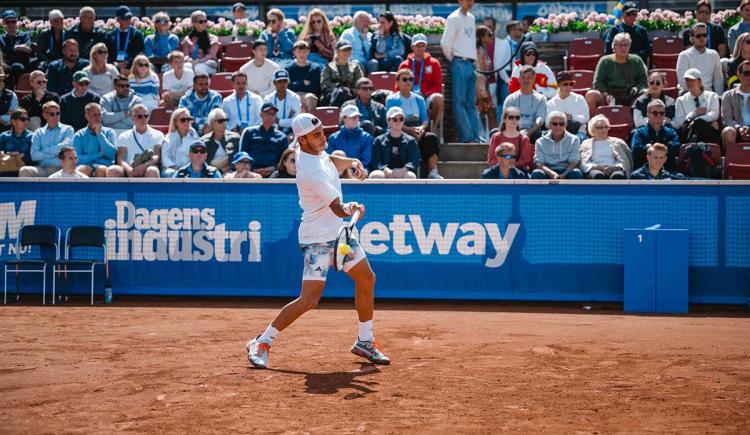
x: 108, y: 295
x: 544, y: 35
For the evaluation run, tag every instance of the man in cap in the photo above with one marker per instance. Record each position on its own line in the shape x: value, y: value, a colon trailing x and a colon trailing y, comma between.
x: 243, y: 167
x: 395, y: 154
x: 372, y: 113
x: 60, y: 72
x: 352, y: 140
x: 323, y: 208
x: 124, y: 42
x: 640, y: 42
x: 359, y: 36
x: 238, y: 11
x: 265, y: 142
x: 73, y: 103
x: 197, y: 168
x: 260, y: 70
x: 241, y: 106
x: 571, y: 104
x: 702, y: 58
x: 287, y: 102
x: 15, y: 45
x: 428, y: 79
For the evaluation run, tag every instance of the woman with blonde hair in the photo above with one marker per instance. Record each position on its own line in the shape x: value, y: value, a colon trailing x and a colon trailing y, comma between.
x: 177, y: 144
x: 101, y: 74
x: 602, y: 156
x: 201, y: 47
x: 144, y: 82
x: 318, y: 35
x: 740, y: 53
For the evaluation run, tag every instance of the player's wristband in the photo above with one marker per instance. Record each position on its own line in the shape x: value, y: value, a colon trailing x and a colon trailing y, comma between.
x: 349, y: 208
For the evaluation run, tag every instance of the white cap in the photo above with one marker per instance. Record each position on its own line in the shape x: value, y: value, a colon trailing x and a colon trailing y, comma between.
x: 393, y: 111
x: 349, y: 111
x: 692, y: 74
x: 305, y: 123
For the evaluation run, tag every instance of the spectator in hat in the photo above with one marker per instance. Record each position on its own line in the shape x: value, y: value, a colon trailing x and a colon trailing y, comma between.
x: 73, y: 103
x: 359, y: 36
x: 656, y: 156
x: 86, y: 32
x: 265, y: 142
x: 743, y: 26
x: 200, y: 47
x: 197, y: 168
x: 571, y: 104
x: 95, y: 144
x: 657, y: 81
x: 260, y: 70
x: 101, y: 74
x: 557, y: 152
x: 654, y: 131
x: 200, y: 101
x: 124, y: 42
x: 287, y: 167
x: 242, y: 164
x: 286, y: 102
x: 340, y: 76
x: 395, y: 154
x: 177, y: 81
x: 68, y: 162
x: 138, y: 149
x: 60, y: 72
x: 697, y: 111
x: 619, y: 77
x: 181, y: 136
x: 221, y: 143
x: 428, y: 79
x: 603, y: 156
x: 304, y: 76
x: 242, y: 107
x: 703, y: 59
x: 532, y: 104
x: 388, y: 46
x: 717, y: 39
x: 505, y: 168
x: 544, y: 79
x: 735, y: 109
x: 8, y: 103
x: 47, y: 142
x: 372, y: 113
x: 239, y: 11
x: 34, y: 101
x: 279, y: 39
x: 15, y: 46
x: 50, y: 41
x: 16, y: 142
x: 640, y: 42
x: 319, y: 37
x: 118, y: 104
x: 159, y: 44
x: 352, y: 140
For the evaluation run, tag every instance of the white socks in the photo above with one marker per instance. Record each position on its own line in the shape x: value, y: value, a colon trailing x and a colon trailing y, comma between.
x: 365, y: 331
x: 269, y: 335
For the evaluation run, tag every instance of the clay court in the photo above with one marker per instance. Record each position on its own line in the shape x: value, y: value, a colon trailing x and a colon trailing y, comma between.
x: 169, y: 366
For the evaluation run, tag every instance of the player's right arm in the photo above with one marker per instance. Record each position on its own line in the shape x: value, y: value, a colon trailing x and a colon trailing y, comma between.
x: 343, y: 210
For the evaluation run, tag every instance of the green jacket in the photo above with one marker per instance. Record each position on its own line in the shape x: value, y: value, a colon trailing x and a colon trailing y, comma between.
x: 617, y: 78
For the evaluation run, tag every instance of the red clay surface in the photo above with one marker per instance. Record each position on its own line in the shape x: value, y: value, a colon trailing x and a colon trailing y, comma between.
x: 169, y: 366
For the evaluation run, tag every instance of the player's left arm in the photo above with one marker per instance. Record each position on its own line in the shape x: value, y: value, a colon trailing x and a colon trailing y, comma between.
x: 342, y: 163
x: 343, y: 210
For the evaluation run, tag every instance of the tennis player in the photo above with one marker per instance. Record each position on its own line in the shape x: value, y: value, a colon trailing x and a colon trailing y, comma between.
x: 323, y: 211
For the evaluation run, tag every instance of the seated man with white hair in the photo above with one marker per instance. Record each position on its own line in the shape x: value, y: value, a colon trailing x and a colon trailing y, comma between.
x: 352, y: 140
x: 50, y: 41
x: 359, y: 37
x: 619, y: 77
x: 138, y: 149
x: 557, y: 152
x: 221, y: 143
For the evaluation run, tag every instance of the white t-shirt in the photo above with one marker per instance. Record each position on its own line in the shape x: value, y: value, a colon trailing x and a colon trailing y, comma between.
x: 147, y: 140
x: 318, y: 184
x: 77, y: 174
x: 172, y: 84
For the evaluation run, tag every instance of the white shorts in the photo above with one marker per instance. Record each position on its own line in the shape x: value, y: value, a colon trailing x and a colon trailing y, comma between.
x: 319, y: 257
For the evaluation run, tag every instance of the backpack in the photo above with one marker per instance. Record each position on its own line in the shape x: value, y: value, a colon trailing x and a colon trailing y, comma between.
x: 699, y: 162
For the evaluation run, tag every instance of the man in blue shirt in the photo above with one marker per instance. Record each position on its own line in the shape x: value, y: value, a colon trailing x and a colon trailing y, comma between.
x: 158, y: 45
x: 124, y: 42
x: 279, y: 39
x: 359, y: 36
x: 16, y: 142
x: 304, y: 76
x: 655, y: 131
x: 198, y: 168
x: 15, y: 45
x: 641, y: 44
x: 656, y: 155
x: 95, y: 144
x: 265, y: 142
x: 47, y: 142
x: 351, y: 139
x: 60, y: 72
x: 200, y: 101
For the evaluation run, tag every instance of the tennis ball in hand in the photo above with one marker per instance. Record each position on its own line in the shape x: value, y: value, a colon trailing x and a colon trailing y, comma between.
x: 344, y: 249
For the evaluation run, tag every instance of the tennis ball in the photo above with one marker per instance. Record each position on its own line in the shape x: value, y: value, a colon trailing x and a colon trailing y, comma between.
x: 344, y: 249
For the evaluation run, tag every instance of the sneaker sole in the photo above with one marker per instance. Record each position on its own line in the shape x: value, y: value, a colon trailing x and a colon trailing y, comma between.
x: 358, y: 352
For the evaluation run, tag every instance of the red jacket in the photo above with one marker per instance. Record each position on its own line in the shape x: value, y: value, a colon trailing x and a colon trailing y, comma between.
x: 432, y: 78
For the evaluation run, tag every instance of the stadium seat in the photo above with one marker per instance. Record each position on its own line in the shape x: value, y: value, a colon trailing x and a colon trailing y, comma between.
x: 222, y: 83
x: 584, y: 80
x: 41, y: 237
x: 232, y: 64
x: 81, y: 237
x: 665, y: 51
x: 620, y: 120
x: 671, y: 87
x: 238, y: 49
x: 383, y: 80
x: 738, y: 161
x: 329, y: 116
x: 159, y: 119
x: 583, y: 54
x: 715, y: 155
x: 23, y: 87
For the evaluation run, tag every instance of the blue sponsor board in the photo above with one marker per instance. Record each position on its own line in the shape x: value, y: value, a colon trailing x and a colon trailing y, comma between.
x: 437, y: 241
x: 296, y: 11
x: 547, y: 8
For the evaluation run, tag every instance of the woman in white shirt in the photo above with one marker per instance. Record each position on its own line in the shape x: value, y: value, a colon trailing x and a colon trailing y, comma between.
x: 180, y: 136
x: 101, y: 74
x: 697, y: 111
x: 602, y: 156
x: 571, y: 104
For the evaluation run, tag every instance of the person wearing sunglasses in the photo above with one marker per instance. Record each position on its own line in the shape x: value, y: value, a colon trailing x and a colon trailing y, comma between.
x: 117, y: 105
x: 654, y: 131
x: 735, y: 109
x: 95, y: 144
x: 359, y: 36
x: 239, y: 11
x: 73, y: 103
x: 279, y: 39
x: 221, y: 143
x: 101, y: 73
x: 572, y: 104
x: 8, y: 102
x: 717, y: 38
x: 557, y: 152
x: 319, y: 37
x: 703, y: 59
x: 640, y: 41
x: 177, y: 143
x: 545, y: 81
x: 242, y: 164
x: 602, y: 156
x: 428, y: 79
x: 138, y: 149
x: 372, y: 113
x: 509, y: 132
x: 47, y: 142
x: 697, y: 111
x: 743, y: 26
x: 388, y: 46
x: 287, y: 167
x: 60, y: 72
x: 505, y: 168
x: 657, y: 81
x: 740, y: 54
x: 34, y: 101
x: 124, y: 42
x: 159, y: 44
x: 197, y: 168
x: 394, y: 154
x: 16, y: 142
x: 86, y: 32
x: 15, y: 45
x: 200, y: 47
x: 144, y: 82
x: 351, y: 139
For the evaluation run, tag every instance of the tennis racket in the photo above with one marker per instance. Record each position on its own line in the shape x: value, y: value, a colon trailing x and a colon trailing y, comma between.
x: 341, y: 246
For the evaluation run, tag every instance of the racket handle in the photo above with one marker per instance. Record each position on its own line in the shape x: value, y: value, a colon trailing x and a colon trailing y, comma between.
x: 355, y: 218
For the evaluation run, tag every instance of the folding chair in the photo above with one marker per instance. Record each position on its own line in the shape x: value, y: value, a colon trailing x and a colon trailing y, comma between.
x: 81, y: 237
x: 584, y: 80
x: 670, y: 76
x: 665, y: 51
x: 222, y: 83
x: 159, y: 119
x: 584, y: 54
x: 738, y: 161
x: 42, y: 236
x: 620, y: 120
x: 383, y: 80
x: 329, y: 116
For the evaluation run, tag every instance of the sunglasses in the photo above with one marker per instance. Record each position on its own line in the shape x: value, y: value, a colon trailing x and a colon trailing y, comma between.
x: 162, y: 21
x: 407, y: 79
x: 513, y: 117
x: 366, y: 88
x: 53, y: 113
x: 202, y: 21
x: 199, y: 151
x: 24, y: 119
x: 700, y: 35
x: 557, y: 124
x: 508, y: 156
x: 397, y: 119
x: 316, y: 21
x: 184, y: 120
x: 123, y: 85
x: 654, y: 82
x: 745, y: 73
x: 747, y: 40
x: 272, y: 21
x: 658, y: 113
x: 564, y: 84
x: 143, y: 65
x: 631, y: 13
x: 141, y: 116
x: 222, y: 120
x: 601, y: 127
x: 100, y: 52
x: 40, y: 82
x: 10, y: 22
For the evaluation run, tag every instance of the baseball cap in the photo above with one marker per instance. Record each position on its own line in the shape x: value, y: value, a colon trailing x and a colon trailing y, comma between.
x: 258, y: 42
x: 80, y: 77
x: 305, y: 123
x: 197, y: 144
x: 394, y: 111
x: 268, y: 106
x: 123, y: 13
x: 419, y: 38
x: 565, y: 76
x: 238, y: 5
x: 281, y: 75
x: 9, y: 13
x: 349, y: 111
x: 629, y: 6
x: 692, y: 73
x: 240, y: 156
x: 343, y: 45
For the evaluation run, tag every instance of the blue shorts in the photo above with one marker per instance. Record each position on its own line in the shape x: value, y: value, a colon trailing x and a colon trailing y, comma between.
x: 319, y: 257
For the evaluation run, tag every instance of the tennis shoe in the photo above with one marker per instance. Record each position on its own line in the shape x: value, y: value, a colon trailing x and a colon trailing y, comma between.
x: 257, y: 352
x: 370, y: 350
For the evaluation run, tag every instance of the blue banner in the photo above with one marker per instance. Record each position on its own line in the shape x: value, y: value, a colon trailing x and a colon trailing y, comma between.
x: 438, y: 241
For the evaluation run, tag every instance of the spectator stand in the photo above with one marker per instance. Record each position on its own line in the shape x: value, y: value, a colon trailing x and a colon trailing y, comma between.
x: 737, y: 162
